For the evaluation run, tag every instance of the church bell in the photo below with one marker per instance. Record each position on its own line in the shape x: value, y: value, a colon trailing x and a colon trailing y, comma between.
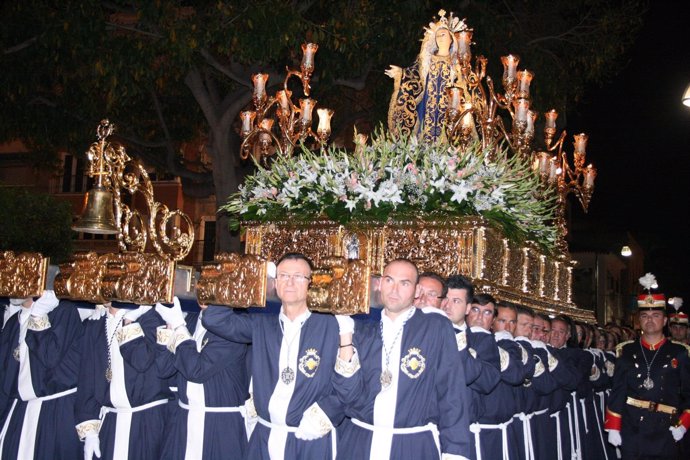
x: 97, y: 216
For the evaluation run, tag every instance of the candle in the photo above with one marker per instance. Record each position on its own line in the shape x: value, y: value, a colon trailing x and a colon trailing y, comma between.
x: 247, y: 118
x: 308, y: 51
x: 464, y: 39
x: 580, y: 143
x: 510, y: 63
x: 306, y: 107
x: 590, y: 175
x: 324, y: 128
x: 454, y: 96
x: 467, y: 119
x: 259, y: 80
x: 524, y: 79
x: 551, y: 117
x: 554, y: 169
x: 521, y: 110
x: 284, y: 99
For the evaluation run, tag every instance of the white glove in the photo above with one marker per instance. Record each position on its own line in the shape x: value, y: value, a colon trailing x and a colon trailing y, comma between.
x: 45, y: 304
x: 92, y: 446
x: 346, y: 324
x: 17, y: 302
x: 314, y: 424
x: 503, y: 335
x: 172, y: 316
x: 678, y: 432
x: 98, y: 313
x: 538, y: 344
x: 615, y: 438
x: 134, y: 315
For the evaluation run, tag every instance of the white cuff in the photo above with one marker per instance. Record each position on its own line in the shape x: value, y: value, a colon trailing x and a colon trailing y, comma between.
x: 88, y: 427
x: 347, y: 369
x: 129, y: 332
x: 164, y: 335
x: 180, y: 335
x: 38, y: 323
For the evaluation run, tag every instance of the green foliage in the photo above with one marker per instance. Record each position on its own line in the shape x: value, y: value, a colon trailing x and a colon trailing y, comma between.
x: 35, y: 222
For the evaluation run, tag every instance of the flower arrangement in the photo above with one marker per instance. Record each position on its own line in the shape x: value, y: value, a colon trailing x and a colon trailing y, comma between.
x: 400, y: 179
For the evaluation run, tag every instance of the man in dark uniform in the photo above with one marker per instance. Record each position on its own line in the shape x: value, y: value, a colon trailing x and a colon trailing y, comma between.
x: 649, y: 407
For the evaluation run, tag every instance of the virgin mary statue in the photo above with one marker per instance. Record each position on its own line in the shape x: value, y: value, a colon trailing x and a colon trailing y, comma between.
x: 419, y: 101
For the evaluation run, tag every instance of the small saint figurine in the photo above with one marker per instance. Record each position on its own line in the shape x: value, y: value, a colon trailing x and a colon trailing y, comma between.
x: 419, y: 102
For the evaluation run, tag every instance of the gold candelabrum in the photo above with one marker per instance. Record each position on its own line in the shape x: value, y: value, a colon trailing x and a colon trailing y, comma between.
x: 171, y: 233
x: 472, y: 113
x: 277, y: 124
x: 564, y: 176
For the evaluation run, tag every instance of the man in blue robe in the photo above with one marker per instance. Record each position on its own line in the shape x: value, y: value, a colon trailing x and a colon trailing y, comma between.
x: 121, y: 398
x: 402, y: 388
x: 39, y: 379
x: 212, y: 384
x: 292, y: 363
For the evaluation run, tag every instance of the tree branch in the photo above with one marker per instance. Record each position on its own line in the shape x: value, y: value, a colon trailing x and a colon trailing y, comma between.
x: 225, y: 70
x: 20, y: 46
x: 133, y: 29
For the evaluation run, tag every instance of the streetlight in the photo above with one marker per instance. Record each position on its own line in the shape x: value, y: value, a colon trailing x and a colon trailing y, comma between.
x: 626, y: 251
x: 686, y: 96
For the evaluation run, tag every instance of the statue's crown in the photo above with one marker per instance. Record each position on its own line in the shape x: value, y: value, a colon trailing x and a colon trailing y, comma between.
x: 452, y: 23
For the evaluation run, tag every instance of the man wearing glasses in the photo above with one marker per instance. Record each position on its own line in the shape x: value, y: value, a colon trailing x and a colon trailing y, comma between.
x: 293, y: 359
x: 432, y: 291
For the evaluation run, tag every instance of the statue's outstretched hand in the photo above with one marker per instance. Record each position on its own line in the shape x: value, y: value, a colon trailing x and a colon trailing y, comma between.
x: 394, y: 71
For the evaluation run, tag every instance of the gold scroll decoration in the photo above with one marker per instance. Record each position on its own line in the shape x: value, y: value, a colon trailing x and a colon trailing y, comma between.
x: 22, y: 274
x: 233, y: 280
x: 124, y: 277
x: 342, y: 287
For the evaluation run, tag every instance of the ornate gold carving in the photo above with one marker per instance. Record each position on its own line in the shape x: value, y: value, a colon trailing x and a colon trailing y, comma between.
x: 234, y: 280
x: 523, y: 275
x: 124, y: 277
x: 343, y: 287
x: 22, y: 274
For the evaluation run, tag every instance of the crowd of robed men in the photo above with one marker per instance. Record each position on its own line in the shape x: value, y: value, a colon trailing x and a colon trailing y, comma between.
x: 444, y: 374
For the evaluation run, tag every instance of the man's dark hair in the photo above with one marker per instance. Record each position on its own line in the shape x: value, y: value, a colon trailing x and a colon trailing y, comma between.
x: 296, y: 256
x: 544, y: 317
x: 522, y: 310
x: 483, y: 299
x: 508, y: 305
x: 461, y: 282
x: 407, y: 261
x: 437, y: 277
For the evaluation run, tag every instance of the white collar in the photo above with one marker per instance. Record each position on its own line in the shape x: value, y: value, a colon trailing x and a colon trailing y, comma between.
x: 401, y: 318
x: 299, y: 320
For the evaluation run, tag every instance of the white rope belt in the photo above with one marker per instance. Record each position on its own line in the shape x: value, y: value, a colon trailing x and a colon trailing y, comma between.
x: 527, y: 431
x: 293, y: 429
x: 584, y: 414
x: 55, y: 395
x: 389, y: 430
x: 239, y: 409
x: 557, y: 415
x: 578, y: 445
x: 476, y: 428
x: 130, y: 410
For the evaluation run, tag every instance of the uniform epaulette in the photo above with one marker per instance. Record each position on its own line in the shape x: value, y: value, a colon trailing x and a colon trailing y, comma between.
x: 619, y: 347
x: 687, y: 347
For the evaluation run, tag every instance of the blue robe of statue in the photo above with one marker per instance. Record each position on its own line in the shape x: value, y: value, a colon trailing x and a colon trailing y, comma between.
x: 53, y: 364
x: 430, y: 389
x: 316, y: 353
x: 139, y: 386
x: 211, y: 377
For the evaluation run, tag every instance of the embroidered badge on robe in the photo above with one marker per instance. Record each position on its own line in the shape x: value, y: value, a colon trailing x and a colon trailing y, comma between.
x: 309, y: 362
x: 413, y: 363
x: 674, y: 363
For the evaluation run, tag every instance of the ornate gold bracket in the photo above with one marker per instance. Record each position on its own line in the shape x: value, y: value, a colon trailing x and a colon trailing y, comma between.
x: 22, y: 274
x: 234, y: 280
x: 124, y: 277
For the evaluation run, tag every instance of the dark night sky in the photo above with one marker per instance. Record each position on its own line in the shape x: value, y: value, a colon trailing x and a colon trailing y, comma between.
x: 640, y: 143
